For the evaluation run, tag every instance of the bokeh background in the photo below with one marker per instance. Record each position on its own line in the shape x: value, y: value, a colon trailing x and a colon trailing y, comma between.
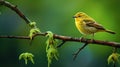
x: 56, y: 16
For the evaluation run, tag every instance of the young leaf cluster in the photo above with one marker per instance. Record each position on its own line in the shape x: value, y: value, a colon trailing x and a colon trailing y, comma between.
x: 51, y: 49
x: 33, y: 30
x: 114, y: 57
x: 26, y: 56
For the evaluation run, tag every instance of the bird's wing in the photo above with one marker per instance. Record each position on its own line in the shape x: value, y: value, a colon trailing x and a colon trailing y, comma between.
x: 91, y: 23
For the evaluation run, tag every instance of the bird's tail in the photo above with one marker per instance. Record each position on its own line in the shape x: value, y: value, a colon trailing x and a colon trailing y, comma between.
x: 109, y: 31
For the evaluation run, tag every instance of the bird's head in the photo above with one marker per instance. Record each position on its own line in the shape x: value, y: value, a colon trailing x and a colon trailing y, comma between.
x: 80, y: 15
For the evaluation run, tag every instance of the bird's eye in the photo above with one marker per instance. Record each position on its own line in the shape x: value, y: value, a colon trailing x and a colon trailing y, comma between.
x: 79, y: 16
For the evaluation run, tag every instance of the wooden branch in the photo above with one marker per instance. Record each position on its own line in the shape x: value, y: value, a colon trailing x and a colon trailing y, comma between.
x: 71, y: 39
x: 76, y: 54
x: 63, y: 42
x: 14, y: 8
x: 64, y: 38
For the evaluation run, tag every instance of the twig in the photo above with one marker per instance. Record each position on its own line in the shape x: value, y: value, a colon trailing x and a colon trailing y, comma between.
x: 14, y: 37
x: 76, y: 54
x: 63, y: 42
x: 65, y: 38
x: 14, y: 8
x: 70, y: 39
x: 114, y: 65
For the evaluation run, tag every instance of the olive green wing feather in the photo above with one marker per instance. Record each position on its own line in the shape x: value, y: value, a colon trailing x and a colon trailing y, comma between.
x: 91, y: 23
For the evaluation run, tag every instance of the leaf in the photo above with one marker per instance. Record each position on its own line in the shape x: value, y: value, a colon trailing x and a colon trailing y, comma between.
x: 32, y: 24
x: 33, y: 30
x: 49, y: 35
x: 26, y: 56
x: 114, y: 57
x: 51, y: 49
x: 52, y: 53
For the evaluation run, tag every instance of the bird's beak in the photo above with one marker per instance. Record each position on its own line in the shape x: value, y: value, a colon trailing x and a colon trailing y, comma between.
x: 74, y: 17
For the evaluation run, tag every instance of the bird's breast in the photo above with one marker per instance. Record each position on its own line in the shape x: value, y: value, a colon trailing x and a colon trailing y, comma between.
x: 81, y: 26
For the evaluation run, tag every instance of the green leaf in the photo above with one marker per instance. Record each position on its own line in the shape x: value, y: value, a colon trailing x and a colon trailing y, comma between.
x: 51, y: 49
x: 32, y: 24
x: 33, y: 30
x: 50, y: 39
x: 114, y: 57
x: 52, y: 53
x: 49, y: 35
x: 26, y: 56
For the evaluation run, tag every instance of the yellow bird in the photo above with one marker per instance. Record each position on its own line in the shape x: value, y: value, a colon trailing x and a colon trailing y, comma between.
x: 87, y: 25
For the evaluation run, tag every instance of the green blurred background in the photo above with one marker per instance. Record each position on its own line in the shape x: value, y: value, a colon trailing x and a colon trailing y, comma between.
x: 56, y: 16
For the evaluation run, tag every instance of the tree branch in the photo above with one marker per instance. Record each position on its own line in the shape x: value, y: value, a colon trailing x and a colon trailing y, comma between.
x: 63, y: 42
x: 14, y: 8
x: 64, y: 38
x: 70, y: 39
x: 76, y: 54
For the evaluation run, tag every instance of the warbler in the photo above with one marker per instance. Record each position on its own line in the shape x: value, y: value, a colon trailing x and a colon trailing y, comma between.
x: 87, y: 25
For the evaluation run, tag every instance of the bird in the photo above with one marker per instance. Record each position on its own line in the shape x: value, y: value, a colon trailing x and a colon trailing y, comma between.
x: 87, y: 25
